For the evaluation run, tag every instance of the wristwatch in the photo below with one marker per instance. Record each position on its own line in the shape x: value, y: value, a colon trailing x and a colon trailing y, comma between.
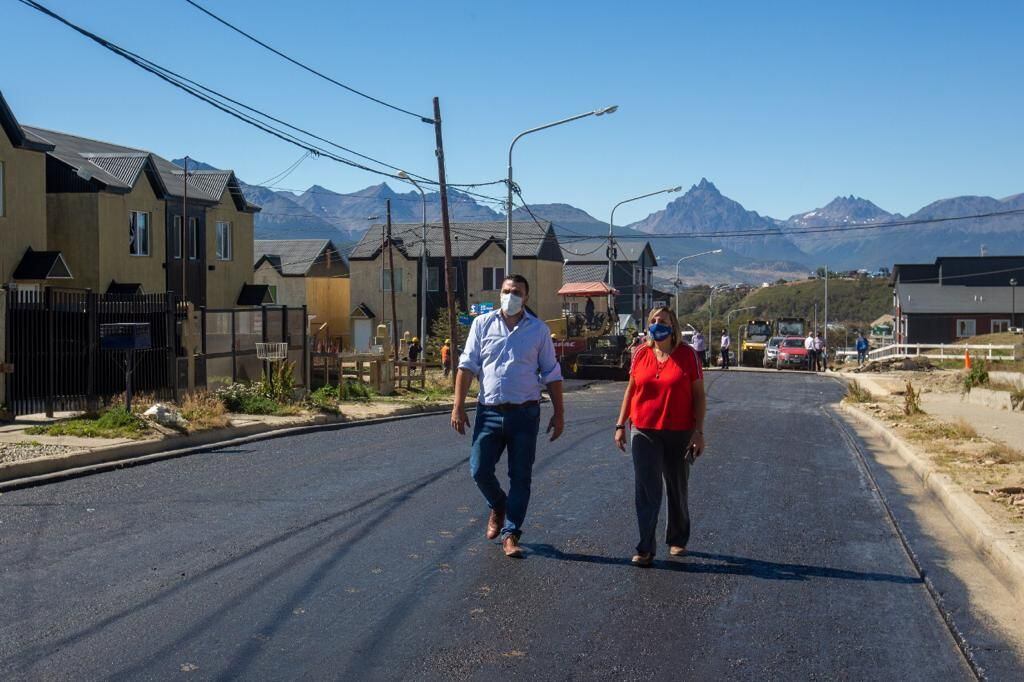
x: 620, y: 426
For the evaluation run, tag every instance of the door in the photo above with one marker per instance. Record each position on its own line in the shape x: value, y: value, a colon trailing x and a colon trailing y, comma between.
x: 362, y: 334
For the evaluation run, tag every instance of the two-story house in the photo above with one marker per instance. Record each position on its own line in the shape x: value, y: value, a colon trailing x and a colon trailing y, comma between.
x: 478, y: 251
x: 115, y: 212
x: 633, y: 275
x: 311, y: 273
x: 956, y: 298
x: 24, y: 258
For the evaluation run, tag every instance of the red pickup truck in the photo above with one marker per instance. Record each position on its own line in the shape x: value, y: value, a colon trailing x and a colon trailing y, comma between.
x: 792, y: 354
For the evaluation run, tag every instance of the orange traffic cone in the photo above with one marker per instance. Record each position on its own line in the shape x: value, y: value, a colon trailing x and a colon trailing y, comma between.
x: 967, y: 359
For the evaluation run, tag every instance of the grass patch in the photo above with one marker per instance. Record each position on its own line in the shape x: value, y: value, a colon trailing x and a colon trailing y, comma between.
x: 352, y: 389
x: 243, y: 398
x: 116, y: 422
x: 855, y: 393
x: 1004, y: 454
x: 325, y: 399
x: 204, y: 411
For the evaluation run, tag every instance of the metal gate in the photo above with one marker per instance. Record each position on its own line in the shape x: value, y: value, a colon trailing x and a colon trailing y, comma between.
x: 53, y: 345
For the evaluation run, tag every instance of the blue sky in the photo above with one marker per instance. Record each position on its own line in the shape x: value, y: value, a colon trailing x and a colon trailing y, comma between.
x: 783, y: 105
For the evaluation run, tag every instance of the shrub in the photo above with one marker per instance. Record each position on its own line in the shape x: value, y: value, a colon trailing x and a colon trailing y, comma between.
x: 1017, y: 398
x: 116, y: 422
x: 356, y: 390
x: 855, y: 393
x: 977, y: 375
x: 279, y: 386
x: 203, y: 410
x: 245, y: 398
x: 912, y: 401
x: 325, y: 399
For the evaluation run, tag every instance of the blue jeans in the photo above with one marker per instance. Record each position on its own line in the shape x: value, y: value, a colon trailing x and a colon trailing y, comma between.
x: 495, y: 431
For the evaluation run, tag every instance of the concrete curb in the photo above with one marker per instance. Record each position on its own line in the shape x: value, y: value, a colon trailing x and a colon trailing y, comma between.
x: 973, y: 522
x: 49, y: 469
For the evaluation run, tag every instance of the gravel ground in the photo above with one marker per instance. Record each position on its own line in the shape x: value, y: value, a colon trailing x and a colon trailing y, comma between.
x: 18, y: 452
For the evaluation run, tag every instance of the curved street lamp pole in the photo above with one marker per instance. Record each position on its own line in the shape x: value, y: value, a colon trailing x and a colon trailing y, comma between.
x: 677, y: 282
x: 611, y: 240
x: 508, y: 206
x: 1013, y: 302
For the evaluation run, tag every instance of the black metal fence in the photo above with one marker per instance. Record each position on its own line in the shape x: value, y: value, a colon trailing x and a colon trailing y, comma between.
x: 230, y: 335
x: 53, y: 344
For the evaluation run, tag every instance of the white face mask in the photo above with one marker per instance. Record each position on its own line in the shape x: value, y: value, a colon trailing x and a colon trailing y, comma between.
x: 511, y: 304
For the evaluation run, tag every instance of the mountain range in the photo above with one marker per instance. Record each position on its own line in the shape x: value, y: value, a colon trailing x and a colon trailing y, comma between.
x: 848, y: 232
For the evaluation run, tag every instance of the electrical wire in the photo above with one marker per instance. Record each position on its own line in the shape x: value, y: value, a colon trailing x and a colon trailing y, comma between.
x: 286, y: 172
x: 424, y: 119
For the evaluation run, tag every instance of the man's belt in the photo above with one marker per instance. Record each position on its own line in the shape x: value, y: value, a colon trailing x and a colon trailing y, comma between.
x: 507, y: 407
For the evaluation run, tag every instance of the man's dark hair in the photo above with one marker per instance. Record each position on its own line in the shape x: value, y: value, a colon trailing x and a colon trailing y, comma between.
x: 518, y: 279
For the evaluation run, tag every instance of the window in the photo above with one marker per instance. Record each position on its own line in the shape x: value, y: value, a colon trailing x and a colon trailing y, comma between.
x: 965, y: 328
x: 1000, y: 326
x: 385, y: 280
x: 433, y: 279
x: 2, y: 205
x: 193, y: 238
x: 224, y: 246
x: 138, y: 233
x: 493, y: 277
x: 175, y: 245
x: 273, y: 293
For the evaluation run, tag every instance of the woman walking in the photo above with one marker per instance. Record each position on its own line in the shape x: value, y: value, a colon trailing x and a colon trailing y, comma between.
x: 665, y: 403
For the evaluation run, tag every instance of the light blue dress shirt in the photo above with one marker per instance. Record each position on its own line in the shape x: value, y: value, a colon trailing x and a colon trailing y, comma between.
x: 512, y: 365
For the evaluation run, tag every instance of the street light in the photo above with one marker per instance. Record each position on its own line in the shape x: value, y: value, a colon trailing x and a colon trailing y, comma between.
x: 693, y: 255
x: 611, y: 238
x: 1013, y: 302
x: 728, y: 316
x: 508, y: 217
x: 423, y: 261
x: 711, y: 298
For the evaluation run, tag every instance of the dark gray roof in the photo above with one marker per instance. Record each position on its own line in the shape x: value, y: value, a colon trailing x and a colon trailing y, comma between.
x: 118, y: 168
x: 529, y: 240
x: 573, y: 273
x: 37, y: 265
x: 293, y: 257
x: 596, y: 250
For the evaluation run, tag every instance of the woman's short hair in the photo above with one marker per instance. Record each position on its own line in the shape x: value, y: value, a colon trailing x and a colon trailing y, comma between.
x: 673, y: 322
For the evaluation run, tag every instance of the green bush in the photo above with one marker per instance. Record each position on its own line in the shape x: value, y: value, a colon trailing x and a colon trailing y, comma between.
x: 116, y: 422
x: 356, y: 390
x: 243, y: 398
x: 325, y: 399
x: 977, y: 375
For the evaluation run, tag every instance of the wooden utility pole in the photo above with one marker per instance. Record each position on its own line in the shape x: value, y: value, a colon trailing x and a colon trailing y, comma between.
x: 184, y: 228
x: 391, y: 262
x: 449, y: 275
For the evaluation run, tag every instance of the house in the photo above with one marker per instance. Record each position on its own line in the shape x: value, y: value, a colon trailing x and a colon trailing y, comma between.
x: 478, y: 251
x: 955, y: 297
x: 115, y: 212
x: 25, y: 260
x: 587, y: 261
x: 311, y: 273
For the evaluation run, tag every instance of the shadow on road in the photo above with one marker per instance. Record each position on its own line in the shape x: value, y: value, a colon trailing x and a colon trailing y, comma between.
x: 729, y: 565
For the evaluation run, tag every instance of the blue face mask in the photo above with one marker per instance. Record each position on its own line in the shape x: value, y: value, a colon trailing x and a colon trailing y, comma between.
x: 659, y: 332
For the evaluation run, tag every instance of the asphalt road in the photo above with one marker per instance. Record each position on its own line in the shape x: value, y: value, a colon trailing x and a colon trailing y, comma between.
x: 359, y: 554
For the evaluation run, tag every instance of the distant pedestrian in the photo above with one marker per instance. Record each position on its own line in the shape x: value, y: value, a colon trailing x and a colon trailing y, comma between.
x: 820, y: 358
x: 862, y: 349
x: 510, y: 353
x: 665, y: 403
x: 812, y: 360
x: 700, y: 346
x: 446, y: 357
x: 726, y: 345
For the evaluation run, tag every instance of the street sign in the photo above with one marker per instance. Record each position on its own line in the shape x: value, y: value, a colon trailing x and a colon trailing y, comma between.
x: 465, y: 320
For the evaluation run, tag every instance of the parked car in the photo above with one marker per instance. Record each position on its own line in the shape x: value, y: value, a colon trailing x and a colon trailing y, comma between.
x: 771, y: 351
x: 791, y: 354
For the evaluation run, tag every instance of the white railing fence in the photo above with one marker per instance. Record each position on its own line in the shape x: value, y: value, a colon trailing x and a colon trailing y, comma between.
x: 937, y: 351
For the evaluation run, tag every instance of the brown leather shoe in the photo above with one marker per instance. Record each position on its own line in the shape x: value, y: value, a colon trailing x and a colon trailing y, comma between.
x: 494, y: 523
x: 511, y: 547
x: 643, y: 560
x: 676, y: 551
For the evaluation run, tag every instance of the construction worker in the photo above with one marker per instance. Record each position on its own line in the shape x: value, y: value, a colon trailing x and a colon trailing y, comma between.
x: 446, y: 356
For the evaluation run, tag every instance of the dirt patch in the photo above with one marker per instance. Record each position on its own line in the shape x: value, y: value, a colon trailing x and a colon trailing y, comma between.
x: 20, y: 452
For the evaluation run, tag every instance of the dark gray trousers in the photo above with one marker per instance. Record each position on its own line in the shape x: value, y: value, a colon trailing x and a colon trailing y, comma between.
x: 657, y: 455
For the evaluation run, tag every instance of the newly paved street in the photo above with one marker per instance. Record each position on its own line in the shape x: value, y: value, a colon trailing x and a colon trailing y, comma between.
x: 359, y: 554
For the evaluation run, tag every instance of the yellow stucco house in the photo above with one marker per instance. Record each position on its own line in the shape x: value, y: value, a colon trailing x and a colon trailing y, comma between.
x: 478, y: 250
x: 24, y: 258
x: 115, y: 213
x: 309, y: 272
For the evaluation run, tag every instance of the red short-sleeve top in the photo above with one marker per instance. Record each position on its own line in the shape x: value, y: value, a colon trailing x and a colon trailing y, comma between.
x: 663, y: 392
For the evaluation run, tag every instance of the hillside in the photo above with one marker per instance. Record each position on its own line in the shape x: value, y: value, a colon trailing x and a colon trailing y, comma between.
x: 854, y: 301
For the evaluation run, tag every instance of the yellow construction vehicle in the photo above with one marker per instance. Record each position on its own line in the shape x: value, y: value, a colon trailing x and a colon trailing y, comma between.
x: 753, y: 337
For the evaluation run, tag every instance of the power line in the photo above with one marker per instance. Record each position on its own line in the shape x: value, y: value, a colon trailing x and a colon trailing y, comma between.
x: 286, y: 172
x: 424, y: 119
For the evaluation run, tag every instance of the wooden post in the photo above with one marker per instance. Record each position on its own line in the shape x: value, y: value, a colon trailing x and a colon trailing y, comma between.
x: 446, y: 230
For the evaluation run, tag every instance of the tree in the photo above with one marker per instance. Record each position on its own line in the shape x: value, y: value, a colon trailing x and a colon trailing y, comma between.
x: 439, y: 332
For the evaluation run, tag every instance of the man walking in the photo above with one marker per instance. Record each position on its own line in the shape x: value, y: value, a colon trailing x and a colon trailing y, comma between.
x: 812, y: 360
x: 862, y: 350
x: 510, y: 353
x: 726, y: 345
x: 698, y: 345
